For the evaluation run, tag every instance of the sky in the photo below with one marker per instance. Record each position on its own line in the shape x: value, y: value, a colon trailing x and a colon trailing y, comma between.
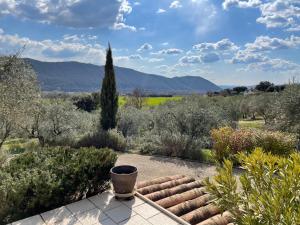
x: 229, y: 42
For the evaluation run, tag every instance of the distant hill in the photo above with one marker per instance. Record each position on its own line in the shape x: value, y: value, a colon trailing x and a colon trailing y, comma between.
x: 82, y: 77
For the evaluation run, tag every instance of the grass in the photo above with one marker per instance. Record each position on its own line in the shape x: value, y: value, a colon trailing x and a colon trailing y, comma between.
x: 18, y: 145
x: 257, y: 124
x: 152, y: 101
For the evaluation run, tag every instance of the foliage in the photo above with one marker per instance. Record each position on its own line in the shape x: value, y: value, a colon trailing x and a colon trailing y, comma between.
x: 263, y: 86
x: 111, y: 139
x: 227, y: 142
x: 269, y: 192
x: 134, y: 122
x: 136, y: 99
x: 88, y: 102
x: 277, y: 143
x: 288, y: 113
x: 109, y: 95
x: 56, y: 122
x: 40, y: 180
x: 18, y: 90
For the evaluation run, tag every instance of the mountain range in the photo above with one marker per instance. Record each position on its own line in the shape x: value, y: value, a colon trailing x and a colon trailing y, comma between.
x: 83, y: 77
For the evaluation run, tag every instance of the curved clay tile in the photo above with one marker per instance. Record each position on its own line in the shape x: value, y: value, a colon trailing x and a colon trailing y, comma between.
x: 190, y: 205
x: 220, y: 219
x: 201, y: 214
x: 179, y: 198
x: 155, y: 196
x: 158, y: 181
x: 169, y: 184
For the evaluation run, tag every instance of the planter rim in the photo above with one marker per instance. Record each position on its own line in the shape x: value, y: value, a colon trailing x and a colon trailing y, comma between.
x: 124, y: 174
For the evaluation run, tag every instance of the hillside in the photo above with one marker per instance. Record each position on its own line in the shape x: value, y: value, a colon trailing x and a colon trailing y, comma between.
x: 82, y: 77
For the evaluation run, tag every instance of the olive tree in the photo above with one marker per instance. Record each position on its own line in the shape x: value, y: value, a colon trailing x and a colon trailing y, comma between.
x: 18, y: 90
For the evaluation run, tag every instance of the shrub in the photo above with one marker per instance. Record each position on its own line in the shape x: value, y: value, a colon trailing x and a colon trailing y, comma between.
x: 111, y: 139
x: 43, y: 179
x: 269, y: 192
x: 221, y: 142
x: 277, y: 143
x: 134, y: 122
x: 227, y: 142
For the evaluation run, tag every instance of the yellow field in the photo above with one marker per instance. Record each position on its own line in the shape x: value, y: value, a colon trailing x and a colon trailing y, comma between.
x: 152, y: 101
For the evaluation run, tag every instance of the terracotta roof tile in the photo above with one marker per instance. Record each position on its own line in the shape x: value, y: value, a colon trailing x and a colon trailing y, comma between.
x: 184, y: 197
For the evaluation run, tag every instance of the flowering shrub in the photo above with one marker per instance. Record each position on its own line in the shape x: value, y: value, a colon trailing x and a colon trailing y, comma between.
x: 227, y: 142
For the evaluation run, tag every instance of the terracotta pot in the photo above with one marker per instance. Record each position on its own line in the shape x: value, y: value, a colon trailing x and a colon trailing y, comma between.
x: 123, y: 179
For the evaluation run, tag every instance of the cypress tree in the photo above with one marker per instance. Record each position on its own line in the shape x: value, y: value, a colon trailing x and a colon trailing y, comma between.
x: 109, y: 95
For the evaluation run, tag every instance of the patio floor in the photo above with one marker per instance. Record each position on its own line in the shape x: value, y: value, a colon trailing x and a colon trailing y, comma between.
x: 102, y: 209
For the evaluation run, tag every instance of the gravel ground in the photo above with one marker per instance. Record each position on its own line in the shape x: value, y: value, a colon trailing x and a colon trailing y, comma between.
x: 150, y: 167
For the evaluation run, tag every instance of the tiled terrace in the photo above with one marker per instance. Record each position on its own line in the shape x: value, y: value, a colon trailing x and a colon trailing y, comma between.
x: 102, y: 209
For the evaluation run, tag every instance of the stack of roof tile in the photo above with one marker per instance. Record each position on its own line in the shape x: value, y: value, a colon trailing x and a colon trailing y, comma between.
x: 186, y: 198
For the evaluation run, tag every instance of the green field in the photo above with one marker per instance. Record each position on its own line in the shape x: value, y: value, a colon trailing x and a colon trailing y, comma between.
x: 152, y: 101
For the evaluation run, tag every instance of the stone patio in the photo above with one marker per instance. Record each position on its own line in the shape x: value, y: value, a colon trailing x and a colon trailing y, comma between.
x: 101, y: 209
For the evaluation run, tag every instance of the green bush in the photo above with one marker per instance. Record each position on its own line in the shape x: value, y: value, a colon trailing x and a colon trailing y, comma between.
x: 269, y: 192
x: 276, y: 142
x: 43, y: 179
x: 102, y: 139
x: 227, y: 142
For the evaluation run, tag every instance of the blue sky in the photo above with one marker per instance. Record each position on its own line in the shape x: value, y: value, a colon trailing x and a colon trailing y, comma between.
x: 236, y: 42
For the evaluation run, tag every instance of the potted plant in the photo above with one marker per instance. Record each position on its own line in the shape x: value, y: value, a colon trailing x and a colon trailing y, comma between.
x: 123, y: 179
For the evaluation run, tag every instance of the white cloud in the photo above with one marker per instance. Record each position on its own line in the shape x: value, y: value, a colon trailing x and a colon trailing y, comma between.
x: 121, y: 26
x: 223, y: 45
x: 193, y: 59
x: 152, y: 60
x: 265, y: 43
x: 53, y: 50
x: 159, y: 11
x: 248, y: 57
x: 175, y: 5
x: 210, y: 57
x: 136, y: 56
x: 137, y: 3
x: 79, y: 38
x: 70, y: 13
x: 197, y: 59
x: 241, y: 3
x: 170, y: 51
x: 165, y: 43
x: 274, y: 65
x: 283, y: 14
x: 145, y: 47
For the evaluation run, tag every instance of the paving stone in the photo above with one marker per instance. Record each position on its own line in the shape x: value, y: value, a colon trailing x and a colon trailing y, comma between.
x: 34, y: 220
x: 146, y: 210
x: 136, y: 220
x: 80, y: 206
x: 71, y: 220
x: 120, y: 213
x: 94, y: 216
x: 108, y: 222
x: 105, y: 201
x: 134, y: 202
x: 55, y: 215
x: 162, y: 219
